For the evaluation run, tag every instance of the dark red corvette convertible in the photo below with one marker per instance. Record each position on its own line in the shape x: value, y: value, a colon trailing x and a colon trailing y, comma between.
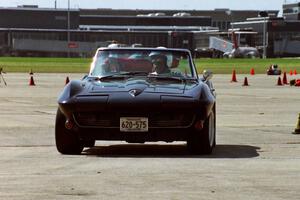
x: 138, y: 95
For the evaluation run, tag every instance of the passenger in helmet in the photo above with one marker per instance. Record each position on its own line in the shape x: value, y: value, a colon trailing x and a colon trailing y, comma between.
x: 159, y: 62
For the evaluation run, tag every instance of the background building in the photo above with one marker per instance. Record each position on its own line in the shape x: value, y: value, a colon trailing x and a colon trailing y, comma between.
x: 31, y: 31
x: 291, y: 11
x: 220, y: 18
x: 282, y: 34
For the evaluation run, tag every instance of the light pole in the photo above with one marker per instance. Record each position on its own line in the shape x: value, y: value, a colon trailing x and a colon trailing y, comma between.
x: 68, y: 34
x: 229, y: 12
x: 264, y: 39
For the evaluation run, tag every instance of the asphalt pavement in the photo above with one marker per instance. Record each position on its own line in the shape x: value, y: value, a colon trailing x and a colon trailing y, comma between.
x: 256, y: 156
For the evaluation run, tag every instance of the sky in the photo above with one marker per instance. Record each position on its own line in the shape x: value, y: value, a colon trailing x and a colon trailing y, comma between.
x: 155, y: 4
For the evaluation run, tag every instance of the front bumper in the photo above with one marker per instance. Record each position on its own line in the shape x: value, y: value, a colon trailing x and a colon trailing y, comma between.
x: 153, y: 134
x: 167, y: 127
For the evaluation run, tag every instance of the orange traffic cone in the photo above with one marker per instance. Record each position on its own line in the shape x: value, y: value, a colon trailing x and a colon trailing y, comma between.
x: 245, y: 82
x: 233, y: 79
x: 284, y: 80
x: 67, y: 80
x: 291, y: 72
x: 31, y: 81
x: 297, y: 129
x: 252, y: 72
x: 279, y: 81
x: 295, y: 72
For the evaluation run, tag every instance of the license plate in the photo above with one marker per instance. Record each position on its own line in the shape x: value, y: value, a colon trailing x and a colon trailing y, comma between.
x: 133, y: 124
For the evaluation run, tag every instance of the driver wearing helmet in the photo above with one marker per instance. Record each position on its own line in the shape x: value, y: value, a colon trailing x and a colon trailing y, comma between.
x: 159, y: 62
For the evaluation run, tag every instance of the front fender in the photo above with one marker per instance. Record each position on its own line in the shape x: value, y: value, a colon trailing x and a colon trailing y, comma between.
x: 208, y: 99
x: 71, y: 89
x: 66, y: 99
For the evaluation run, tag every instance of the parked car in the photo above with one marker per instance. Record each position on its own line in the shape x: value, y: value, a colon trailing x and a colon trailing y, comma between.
x: 154, y: 97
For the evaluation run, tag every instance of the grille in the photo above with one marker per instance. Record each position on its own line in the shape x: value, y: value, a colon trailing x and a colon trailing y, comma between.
x: 155, y: 120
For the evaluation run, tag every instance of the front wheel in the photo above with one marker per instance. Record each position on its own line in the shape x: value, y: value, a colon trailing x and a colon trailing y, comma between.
x: 67, y: 141
x: 203, y: 142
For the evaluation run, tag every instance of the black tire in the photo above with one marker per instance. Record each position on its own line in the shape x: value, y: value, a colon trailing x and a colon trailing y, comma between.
x: 67, y: 141
x: 215, y: 123
x: 203, y: 142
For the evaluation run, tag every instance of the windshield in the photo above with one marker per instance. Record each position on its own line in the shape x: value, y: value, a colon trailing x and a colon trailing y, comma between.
x: 137, y: 62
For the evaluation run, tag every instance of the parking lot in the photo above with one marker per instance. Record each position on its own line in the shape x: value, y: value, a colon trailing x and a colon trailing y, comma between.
x: 256, y: 156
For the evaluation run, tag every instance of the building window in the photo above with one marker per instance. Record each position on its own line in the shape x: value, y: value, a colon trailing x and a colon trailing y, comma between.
x: 224, y: 25
x: 293, y: 10
x: 214, y: 24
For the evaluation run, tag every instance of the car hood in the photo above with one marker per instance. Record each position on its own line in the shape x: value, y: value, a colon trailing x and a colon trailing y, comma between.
x: 140, y: 85
x: 133, y: 94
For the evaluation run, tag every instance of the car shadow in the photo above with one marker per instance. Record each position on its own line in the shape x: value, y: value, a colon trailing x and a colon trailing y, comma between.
x: 170, y: 151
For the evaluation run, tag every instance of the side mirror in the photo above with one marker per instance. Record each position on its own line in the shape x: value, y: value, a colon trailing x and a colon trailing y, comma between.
x: 84, y: 77
x: 207, y: 75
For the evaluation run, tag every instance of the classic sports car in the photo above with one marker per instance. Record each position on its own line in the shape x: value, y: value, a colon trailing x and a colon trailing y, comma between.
x: 138, y: 95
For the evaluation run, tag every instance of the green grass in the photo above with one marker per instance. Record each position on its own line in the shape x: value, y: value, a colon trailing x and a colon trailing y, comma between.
x: 243, y: 66
x: 81, y: 65
x: 43, y: 65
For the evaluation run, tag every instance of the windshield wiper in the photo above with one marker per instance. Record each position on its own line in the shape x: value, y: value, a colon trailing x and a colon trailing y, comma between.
x: 172, y: 78
x: 120, y: 75
x: 134, y: 73
x: 113, y: 76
